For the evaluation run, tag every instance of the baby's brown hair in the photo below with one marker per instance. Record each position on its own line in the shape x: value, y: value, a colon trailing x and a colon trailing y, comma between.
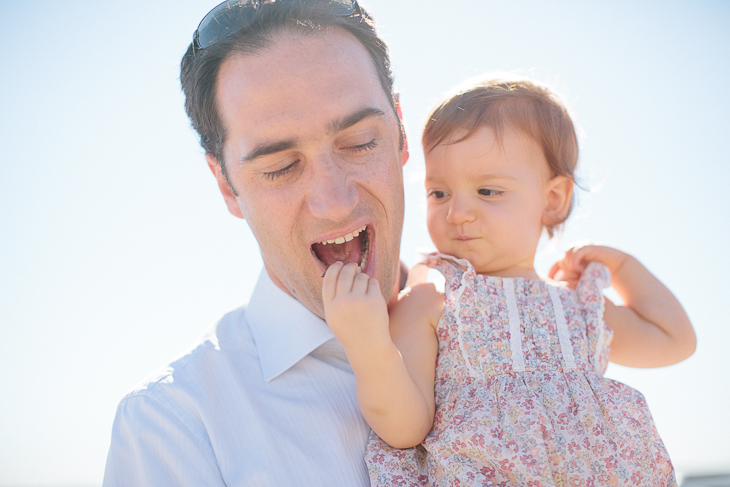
x: 500, y: 104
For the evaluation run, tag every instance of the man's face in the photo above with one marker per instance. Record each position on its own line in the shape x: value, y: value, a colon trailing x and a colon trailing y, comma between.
x: 313, y: 151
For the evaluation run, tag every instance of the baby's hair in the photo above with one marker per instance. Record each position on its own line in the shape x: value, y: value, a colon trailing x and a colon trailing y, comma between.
x: 500, y: 104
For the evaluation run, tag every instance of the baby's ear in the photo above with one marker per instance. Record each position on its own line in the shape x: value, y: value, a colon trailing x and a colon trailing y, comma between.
x: 558, y: 200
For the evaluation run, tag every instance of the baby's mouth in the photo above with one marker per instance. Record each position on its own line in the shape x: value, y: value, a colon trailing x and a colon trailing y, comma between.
x: 353, y: 247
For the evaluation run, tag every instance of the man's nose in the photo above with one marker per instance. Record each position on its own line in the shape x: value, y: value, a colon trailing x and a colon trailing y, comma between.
x: 332, y: 192
x: 460, y: 211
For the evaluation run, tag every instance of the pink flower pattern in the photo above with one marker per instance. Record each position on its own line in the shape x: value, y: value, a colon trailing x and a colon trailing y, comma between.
x: 547, y: 425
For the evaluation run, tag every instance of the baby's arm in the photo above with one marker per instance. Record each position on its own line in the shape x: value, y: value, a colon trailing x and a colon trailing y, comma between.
x: 394, y: 376
x: 651, y: 329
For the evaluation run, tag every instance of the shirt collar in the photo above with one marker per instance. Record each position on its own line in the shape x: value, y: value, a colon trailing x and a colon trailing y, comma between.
x: 284, y: 330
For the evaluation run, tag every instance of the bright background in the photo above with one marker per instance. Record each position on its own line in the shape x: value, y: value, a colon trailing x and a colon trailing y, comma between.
x: 116, y: 250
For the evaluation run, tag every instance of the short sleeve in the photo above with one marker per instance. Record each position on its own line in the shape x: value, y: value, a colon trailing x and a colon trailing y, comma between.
x: 595, y: 278
x: 151, y: 446
x: 454, y: 270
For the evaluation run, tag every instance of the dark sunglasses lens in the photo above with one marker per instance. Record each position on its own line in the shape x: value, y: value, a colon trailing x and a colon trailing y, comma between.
x: 224, y: 20
x: 231, y: 16
x: 339, y: 7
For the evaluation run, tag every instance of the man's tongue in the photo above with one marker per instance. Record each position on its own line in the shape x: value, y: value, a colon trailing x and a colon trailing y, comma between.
x: 346, y: 252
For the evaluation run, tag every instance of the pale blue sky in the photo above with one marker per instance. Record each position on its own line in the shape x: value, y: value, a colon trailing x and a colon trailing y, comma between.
x: 116, y: 250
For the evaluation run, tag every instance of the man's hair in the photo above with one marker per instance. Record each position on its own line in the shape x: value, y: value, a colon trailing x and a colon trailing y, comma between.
x: 199, y: 68
x: 500, y: 104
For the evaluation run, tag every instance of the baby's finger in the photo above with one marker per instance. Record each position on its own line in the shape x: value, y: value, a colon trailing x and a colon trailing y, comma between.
x: 360, y: 286
x: 574, y: 258
x: 347, y: 276
x: 570, y: 262
x: 582, y: 256
x: 329, y: 283
x: 574, y: 262
x: 554, y: 269
x: 373, y: 286
x: 561, y: 275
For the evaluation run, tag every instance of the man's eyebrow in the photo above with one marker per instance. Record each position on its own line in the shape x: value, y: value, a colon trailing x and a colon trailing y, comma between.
x: 354, y: 118
x: 268, y: 148
x: 334, y: 127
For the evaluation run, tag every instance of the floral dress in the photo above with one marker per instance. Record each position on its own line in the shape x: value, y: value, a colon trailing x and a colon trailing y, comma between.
x: 520, y: 395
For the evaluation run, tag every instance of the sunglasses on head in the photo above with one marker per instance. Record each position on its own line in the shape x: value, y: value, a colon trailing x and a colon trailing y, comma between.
x: 234, y: 15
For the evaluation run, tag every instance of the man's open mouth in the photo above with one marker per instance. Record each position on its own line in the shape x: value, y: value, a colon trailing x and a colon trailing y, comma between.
x: 353, y: 247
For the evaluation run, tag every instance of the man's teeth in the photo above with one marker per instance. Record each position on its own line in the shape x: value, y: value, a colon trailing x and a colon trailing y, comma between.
x: 345, y: 238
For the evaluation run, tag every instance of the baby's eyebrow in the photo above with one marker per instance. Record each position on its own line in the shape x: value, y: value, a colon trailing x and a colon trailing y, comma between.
x: 496, y: 176
x: 482, y: 177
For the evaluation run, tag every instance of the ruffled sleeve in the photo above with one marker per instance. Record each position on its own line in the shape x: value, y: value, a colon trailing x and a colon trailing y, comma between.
x: 595, y: 278
x: 453, y: 269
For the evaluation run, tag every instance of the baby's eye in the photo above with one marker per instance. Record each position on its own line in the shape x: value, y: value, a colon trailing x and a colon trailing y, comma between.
x: 489, y: 192
x: 436, y: 194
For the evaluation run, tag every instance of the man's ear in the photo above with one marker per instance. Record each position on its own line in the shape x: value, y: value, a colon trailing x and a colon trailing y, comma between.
x: 558, y: 197
x: 399, y: 111
x: 230, y: 198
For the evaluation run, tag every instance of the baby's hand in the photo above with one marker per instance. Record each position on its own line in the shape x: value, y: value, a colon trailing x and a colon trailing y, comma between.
x: 650, y: 329
x: 355, y: 309
x: 576, y: 259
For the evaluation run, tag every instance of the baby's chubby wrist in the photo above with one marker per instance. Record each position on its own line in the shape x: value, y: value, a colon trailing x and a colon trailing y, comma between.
x: 612, y: 258
x: 361, y: 339
x: 370, y: 359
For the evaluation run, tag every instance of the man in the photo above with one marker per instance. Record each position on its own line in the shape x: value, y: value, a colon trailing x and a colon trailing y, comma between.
x: 294, y: 106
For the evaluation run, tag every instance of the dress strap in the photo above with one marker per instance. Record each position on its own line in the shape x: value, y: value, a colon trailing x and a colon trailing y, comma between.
x: 460, y: 325
x: 515, y: 328
x: 566, y: 347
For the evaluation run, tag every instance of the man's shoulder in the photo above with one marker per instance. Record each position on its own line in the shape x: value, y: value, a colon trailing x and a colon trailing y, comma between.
x: 179, y: 406
x: 220, y: 343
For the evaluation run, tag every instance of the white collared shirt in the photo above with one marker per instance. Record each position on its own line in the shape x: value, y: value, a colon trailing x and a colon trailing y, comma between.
x: 267, y: 398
